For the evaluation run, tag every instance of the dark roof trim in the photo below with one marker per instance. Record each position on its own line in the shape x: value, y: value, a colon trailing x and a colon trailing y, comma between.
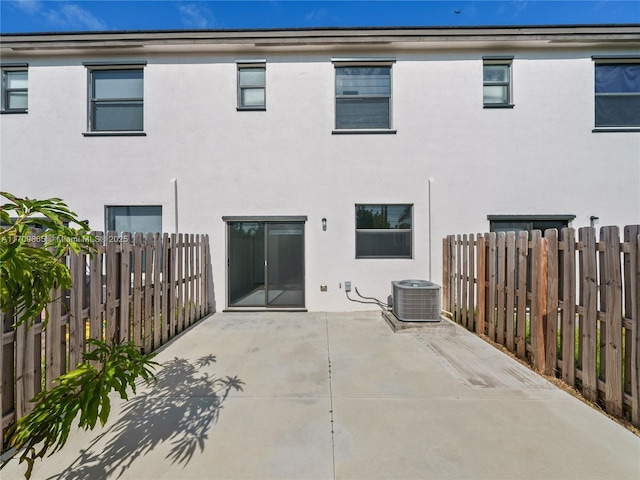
x: 330, y: 29
x: 498, y: 218
x: 265, y: 218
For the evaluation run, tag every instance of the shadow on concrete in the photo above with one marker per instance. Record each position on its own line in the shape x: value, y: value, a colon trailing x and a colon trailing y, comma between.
x: 180, y: 409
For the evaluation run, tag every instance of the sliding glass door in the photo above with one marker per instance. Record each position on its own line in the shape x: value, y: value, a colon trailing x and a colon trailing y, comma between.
x: 266, y: 264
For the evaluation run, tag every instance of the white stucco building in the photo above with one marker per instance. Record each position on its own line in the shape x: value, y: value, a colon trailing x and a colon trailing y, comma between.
x: 317, y: 156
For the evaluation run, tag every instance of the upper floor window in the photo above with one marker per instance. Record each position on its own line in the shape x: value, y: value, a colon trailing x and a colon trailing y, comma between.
x: 496, y: 82
x: 14, y: 89
x: 116, y: 100
x: 383, y: 230
x: 251, y: 86
x: 617, y: 94
x: 363, y: 97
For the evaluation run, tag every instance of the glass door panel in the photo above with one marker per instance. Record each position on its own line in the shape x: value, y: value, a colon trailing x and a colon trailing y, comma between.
x: 285, y: 264
x: 276, y: 282
x: 246, y: 264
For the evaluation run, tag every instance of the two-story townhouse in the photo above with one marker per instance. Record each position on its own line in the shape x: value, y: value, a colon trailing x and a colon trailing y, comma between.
x: 317, y: 156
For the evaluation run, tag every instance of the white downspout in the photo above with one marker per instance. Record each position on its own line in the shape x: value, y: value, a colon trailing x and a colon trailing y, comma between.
x: 430, y: 181
x: 174, y: 182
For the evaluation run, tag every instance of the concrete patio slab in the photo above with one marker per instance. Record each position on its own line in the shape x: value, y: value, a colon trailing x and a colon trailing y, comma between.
x: 340, y: 396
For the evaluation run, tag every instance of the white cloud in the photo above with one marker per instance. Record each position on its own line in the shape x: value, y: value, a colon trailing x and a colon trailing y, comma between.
x: 30, y: 7
x: 75, y: 16
x: 317, y: 16
x: 195, y: 16
x: 61, y: 14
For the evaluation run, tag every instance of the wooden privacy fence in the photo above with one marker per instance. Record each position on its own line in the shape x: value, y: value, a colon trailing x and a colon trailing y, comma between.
x: 139, y: 288
x: 569, y: 306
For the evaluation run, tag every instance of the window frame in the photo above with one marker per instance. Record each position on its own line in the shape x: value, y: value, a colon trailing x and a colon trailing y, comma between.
x: 245, y: 65
x: 91, y: 100
x: 362, y: 63
x: 612, y: 60
x: 506, y: 61
x: 389, y: 231
x: 6, y: 70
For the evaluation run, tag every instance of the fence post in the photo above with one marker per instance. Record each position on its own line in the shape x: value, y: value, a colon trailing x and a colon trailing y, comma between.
x: 551, y: 324
x: 538, y: 301
x: 481, y: 256
x: 612, y: 285
x: 588, y: 322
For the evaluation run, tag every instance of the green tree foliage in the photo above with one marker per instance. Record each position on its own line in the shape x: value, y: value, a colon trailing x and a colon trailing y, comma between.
x: 32, y: 266
x: 84, y: 392
x: 34, y: 237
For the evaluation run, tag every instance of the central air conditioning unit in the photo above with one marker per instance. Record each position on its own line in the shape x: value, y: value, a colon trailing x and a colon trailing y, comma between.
x: 416, y: 301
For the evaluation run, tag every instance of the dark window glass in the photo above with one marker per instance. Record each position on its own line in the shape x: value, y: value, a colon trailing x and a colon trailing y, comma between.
x: 116, y: 100
x: 617, y: 95
x: 383, y: 231
x: 363, y: 96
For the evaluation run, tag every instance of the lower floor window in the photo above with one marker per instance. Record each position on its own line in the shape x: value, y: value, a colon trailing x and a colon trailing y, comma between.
x: 384, y: 230
x: 134, y: 218
x: 517, y: 223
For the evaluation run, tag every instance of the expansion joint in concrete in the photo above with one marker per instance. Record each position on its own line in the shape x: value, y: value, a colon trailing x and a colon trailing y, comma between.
x: 333, y: 445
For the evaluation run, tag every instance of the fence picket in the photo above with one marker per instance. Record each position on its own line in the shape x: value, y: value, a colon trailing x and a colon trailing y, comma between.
x: 76, y: 327
x: 138, y: 249
x: 446, y: 259
x: 632, y: 313
x: 510, y: 290
x: 501, y: 266
x: 490, y: 316
x: 551, y: 315
x: 147, y: 318
x: 171, y: 280
x: 521, y: 312
x: 157, y: 289
x: 94, y: 307
x: 125, y: 286
x: 471, y: 311
x: 613, y: 317
x: 458, y: 280
x: 54, y: 339
x: 166, y: 288
x: 112, y: 275
x: 465, y: 282
x: 568, y: 314
x: 481, y: 284
x: 96, y: 325
x: 588, y: 319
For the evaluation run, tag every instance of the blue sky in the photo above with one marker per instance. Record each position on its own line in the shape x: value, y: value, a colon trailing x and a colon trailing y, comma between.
x: 79, y: 15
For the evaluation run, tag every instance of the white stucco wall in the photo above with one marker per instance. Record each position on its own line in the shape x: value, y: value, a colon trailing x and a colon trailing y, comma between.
x: 541, y: 157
